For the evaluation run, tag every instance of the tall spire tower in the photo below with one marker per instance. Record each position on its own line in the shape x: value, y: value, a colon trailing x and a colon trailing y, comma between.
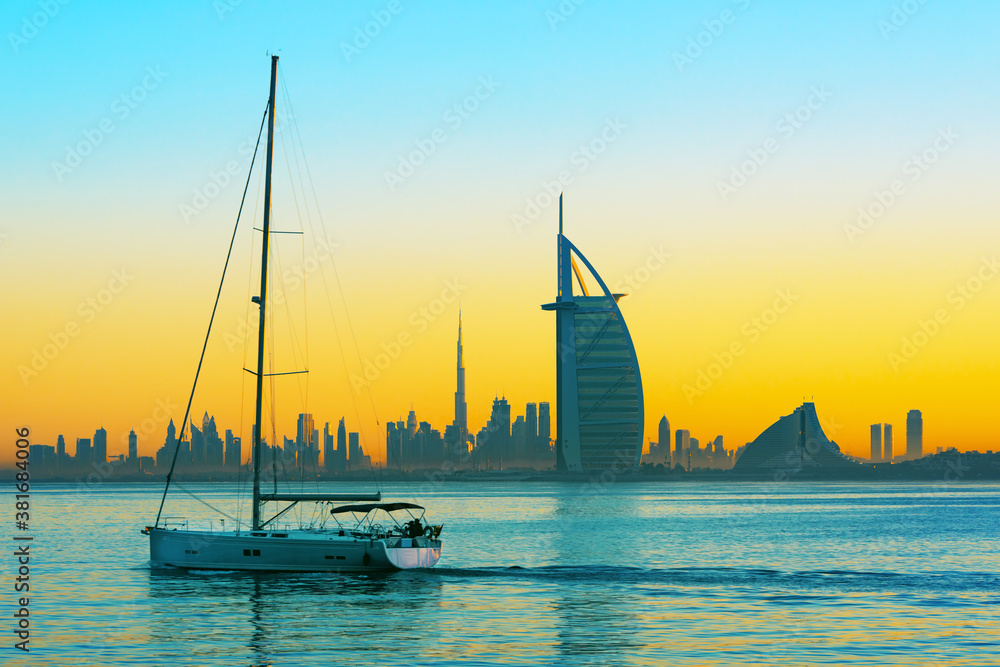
x: 599, y: 406
x: 461, y: 421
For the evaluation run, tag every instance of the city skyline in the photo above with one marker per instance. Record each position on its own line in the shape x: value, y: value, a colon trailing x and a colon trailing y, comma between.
x: 786, y: 228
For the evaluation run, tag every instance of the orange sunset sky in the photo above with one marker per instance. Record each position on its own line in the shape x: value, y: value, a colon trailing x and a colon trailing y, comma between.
x: 804, y: 161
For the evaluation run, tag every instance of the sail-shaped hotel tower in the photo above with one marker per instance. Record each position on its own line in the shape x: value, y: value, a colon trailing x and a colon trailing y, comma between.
x: 599, y: 407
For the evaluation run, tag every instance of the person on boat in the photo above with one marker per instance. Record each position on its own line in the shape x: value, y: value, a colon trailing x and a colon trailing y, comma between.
x: 414, y: 529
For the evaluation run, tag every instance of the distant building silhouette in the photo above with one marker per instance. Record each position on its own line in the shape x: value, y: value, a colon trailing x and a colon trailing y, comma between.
x: 342, y: 446
x: 133, y: 448
x: 83, y: 455
x: 498, y: 445
x: 534, y: 447
x: 234, y: 451
x: 914, y: 434
x: 100, y: 452
x: 887, y: 442
x: 394, y: 445
x: 599, y: 404
x: 794, y: 443
x: 306, y: 449
x: 663, y: 446
x: 544, y: 431
x: 62, y: 458
x: 682, y: 440
x: 329, y: 458
x: 461, y: 423
x: 355, y: 452
x: 876, y: 443
x: 214, y: 450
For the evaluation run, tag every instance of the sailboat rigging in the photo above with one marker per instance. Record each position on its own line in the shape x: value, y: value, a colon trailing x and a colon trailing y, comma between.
x: 378, y: 538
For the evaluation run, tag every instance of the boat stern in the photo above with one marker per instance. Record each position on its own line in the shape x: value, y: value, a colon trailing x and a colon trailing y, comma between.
x: 407, y: 553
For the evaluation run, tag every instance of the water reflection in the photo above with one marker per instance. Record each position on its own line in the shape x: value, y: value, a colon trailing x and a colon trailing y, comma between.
x: 596, y: 621
x: 290, y: 615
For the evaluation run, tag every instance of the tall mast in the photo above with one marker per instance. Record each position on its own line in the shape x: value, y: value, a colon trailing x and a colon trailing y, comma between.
x: 262, y: 299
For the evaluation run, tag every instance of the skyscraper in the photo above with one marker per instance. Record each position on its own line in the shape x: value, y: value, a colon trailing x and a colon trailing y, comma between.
x: 214, y: 450
x: 682, y: 438
x: 197, y: 445
x: 531, y: 421
x: 234, y: 451
x: 599, y: 405
x: 329, y: 458
x: 887, y: 441
x: 304, y: 445
x: 342, y: 445
x: 887, y: 450
x: 411, y: 424
x: 544, y: 428
x: 914, y: 434
x: 133, y: 447
x: 355, y: 451
x: 519, y: 438
x: 663, y: 434
x: 100, y: 452
x: 393, y: 446
x: 461, y: 411
x: 876, y: 443
x: 498, y: 445
x: 83, y: 453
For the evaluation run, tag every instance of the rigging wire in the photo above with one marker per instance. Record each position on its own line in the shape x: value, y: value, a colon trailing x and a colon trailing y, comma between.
x: 296, y: 135
x: 305, y: 296
x: 215, y: 307
x: 207, y: 504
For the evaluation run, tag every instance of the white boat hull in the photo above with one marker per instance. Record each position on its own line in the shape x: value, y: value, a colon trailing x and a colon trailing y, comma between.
x: 292, y: 551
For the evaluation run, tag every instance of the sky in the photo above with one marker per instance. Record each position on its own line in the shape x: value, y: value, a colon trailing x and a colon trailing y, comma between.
x: 798, y: 200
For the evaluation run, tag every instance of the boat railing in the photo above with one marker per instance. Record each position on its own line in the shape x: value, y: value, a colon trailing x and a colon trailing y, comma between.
x: 175, y: 522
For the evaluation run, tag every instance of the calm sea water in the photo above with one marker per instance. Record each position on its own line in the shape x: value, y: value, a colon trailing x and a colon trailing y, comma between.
x: 666, y: 574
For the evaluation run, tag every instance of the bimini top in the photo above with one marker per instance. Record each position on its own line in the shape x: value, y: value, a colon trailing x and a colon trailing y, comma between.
x: 368, y: 507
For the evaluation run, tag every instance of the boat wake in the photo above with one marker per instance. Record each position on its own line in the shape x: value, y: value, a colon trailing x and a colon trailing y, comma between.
x: 817, y: 582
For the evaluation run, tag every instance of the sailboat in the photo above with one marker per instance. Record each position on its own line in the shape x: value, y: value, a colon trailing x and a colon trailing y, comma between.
x: 365, y: 534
